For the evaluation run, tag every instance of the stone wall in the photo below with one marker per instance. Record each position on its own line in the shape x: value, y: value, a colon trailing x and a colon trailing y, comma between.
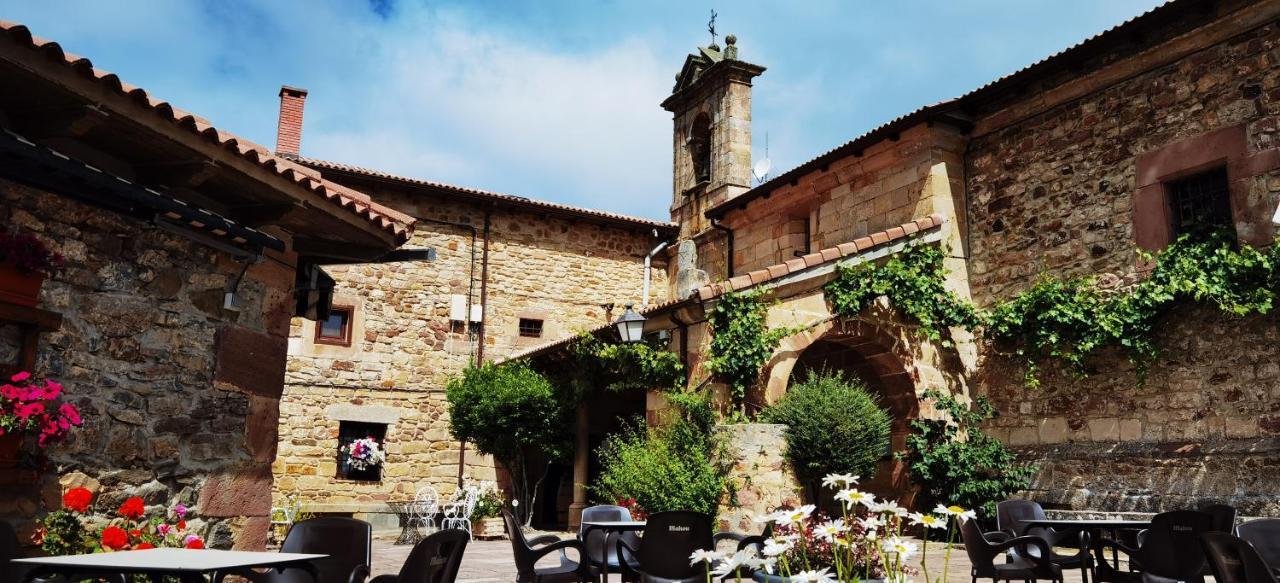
x: 1060, y: 193
x: 179, y: 397
x: 762, y: 478
x: 406, y: 348
x: 890, y: 183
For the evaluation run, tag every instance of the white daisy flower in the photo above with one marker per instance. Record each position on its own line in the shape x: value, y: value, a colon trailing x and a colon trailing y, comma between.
x: 871, y: 522
x: 704, y: 556
x: 853, y: 496
x: 730, y: 564
x: 899, y: 546
x: 819, y: 576
x: 927, y: 520
x: 829, y: 529
x: 765, y: 564
x: 839, y: 480
x: 774, y: 547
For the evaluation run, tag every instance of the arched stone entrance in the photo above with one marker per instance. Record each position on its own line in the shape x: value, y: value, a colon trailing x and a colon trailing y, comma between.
x: 878, y: 358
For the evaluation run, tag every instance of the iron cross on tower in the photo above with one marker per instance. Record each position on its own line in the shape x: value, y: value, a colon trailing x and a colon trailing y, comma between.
x: 711, y: 27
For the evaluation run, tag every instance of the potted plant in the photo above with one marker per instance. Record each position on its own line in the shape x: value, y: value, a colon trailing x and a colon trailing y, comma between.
x: 24, y: 263
x: 30, y: 407
x: 865, y: 544
x: 364, y: 453
x: 486, y: 524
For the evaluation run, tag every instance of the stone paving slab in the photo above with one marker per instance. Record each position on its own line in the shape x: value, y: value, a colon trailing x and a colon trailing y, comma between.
x: 490, y: 561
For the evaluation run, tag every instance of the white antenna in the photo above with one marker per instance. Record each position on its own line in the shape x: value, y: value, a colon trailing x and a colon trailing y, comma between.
x: 761, y: 169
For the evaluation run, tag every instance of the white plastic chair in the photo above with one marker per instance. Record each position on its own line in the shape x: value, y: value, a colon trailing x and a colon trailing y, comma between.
x: 458, y: 514
x: 426, y: 506
x: 283, y: 517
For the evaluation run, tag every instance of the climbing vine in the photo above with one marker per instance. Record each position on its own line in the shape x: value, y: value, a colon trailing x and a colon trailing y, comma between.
x: 913, y: 281
x: 741, y: 341
x: 623, y: 366
x: 1069, y: 320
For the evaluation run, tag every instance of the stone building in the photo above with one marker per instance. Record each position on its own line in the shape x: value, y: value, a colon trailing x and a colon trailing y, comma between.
x: 169, y: 326
x: 1067, y: 168
x: 508, y: 273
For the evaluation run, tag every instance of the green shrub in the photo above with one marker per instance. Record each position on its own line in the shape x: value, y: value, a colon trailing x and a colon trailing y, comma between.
x: 834, y: 426
x: 956, y: 463
x: 672, y: 467
x: 515, y: 415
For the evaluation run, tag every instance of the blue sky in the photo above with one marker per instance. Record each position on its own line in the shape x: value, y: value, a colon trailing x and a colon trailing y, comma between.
x: 554, y: 100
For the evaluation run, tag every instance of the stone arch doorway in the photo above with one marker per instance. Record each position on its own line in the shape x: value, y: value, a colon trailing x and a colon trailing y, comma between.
x: 871, y: 360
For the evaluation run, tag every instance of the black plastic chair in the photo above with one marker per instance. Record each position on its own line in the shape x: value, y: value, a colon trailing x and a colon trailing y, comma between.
x: 1264, y: 535
x: 434, y: 559
x: 1234, y: 560
x: 741, y: 540
x: 669, y: 538
x: 1026, y: 565
x: 602, y: 545
x: 1223, y: 517
x: 529, y: 551
x: 347, y: 541
x: 1169, y: 551
x: 1012, y: 517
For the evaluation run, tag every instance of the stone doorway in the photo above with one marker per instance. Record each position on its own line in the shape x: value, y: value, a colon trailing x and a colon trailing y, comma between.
x: 886, y: 376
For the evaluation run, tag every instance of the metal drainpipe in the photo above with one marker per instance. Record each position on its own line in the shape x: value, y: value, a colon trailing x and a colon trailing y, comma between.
x: 728, y: 263
x: 484, y: 314
x: 648, y: 268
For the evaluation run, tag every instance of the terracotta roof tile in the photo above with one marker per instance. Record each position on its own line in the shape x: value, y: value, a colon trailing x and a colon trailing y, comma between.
x: 827, y: 255
x: 497, y: 196
x: 390, y: 220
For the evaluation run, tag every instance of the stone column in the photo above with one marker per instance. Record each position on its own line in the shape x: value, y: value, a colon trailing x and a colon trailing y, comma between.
x: 581, y: 450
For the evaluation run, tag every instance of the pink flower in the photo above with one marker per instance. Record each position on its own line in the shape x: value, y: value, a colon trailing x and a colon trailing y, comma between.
x: 24, y: 411
x: 70, y: 413
x: 180, y: 510
x: 22, y: 376
x: 51, y: 390
x: 164, y: 529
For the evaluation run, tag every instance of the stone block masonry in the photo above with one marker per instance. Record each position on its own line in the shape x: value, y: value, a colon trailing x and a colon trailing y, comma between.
x: 563, y: 272
x: 179, y: 396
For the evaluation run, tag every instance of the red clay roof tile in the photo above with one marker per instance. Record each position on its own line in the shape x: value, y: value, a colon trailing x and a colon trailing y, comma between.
x: 390, y: 220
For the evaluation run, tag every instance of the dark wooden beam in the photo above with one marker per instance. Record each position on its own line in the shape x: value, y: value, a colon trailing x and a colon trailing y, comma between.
x: 59, y: 122
x: 178, y: 174
x: 325, y: 251
x: 257, y: 215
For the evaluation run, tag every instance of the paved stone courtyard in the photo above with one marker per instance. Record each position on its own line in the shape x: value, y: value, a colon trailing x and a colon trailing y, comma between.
x: 490, y: 561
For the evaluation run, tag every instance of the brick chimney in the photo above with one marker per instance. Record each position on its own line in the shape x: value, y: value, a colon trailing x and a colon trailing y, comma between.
x: 289, y: 130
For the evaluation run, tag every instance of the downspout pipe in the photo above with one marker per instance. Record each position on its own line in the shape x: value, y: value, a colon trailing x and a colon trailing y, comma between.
x: 648, y: 268
x: 728, y: 259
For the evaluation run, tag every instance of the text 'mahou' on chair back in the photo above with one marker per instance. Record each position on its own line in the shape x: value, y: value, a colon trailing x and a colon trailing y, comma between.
x: 669, y: 538
x: 1171, y: 548
x: 347, y: 541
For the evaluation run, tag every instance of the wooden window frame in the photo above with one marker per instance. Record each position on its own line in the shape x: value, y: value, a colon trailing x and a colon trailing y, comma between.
x: 542, y: 326
x: 345, y: 340
x: 342, y: 471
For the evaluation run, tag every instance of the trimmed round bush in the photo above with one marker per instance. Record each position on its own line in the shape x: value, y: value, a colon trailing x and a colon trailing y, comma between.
x: 834, y: 425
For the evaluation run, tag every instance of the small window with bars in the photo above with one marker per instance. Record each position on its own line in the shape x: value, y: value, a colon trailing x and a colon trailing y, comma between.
x: 530, y: 328
x: 1200, y: 202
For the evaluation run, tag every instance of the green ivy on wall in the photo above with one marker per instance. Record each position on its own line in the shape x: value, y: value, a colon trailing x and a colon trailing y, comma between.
x: 741, y: 341
x: 623, y: 366
x: 1069, y: 320
x: 913, y: 280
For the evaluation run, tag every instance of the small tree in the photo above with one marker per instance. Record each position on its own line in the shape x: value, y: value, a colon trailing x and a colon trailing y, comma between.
x: 955, y: 462
x: 515, y: 415
x: 834, y: 426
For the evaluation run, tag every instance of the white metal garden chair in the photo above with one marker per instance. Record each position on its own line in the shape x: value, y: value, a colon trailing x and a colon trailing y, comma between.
x: 426, y: 506
x: 458, y: 514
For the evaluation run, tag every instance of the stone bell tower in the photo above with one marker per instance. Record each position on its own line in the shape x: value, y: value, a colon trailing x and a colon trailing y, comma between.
x: 711, y: 110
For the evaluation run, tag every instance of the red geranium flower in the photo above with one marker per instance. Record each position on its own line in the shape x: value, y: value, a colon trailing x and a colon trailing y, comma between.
x: 195, y: 543
x: 182, y: 525
x: 114, y: 538
x: 143, y: 546
x: 132, y: 508
x: 77, y: 499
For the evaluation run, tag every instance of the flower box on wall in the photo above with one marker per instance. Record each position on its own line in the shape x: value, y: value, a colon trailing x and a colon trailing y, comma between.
x: 19, y: 287
x: 488, y: 529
